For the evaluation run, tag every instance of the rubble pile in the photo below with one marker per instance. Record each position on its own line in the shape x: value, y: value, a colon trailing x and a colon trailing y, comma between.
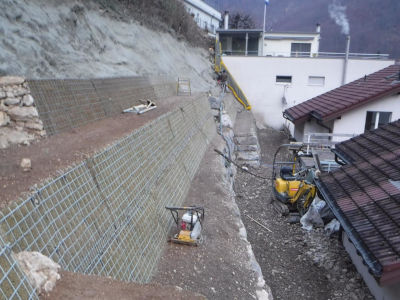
x: 19, y: 118
x: 328, y: 253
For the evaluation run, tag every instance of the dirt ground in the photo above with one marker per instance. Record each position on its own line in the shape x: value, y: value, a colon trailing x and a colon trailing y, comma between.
x: 52, y: 154
x: 295, y: 264
x: 220, y: 267
x: 74, y: 286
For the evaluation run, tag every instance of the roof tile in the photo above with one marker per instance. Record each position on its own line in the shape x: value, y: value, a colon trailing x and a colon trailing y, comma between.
x: 335, y: 102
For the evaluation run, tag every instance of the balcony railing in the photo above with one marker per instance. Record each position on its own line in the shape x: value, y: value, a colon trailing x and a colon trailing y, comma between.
x: 308, y: 54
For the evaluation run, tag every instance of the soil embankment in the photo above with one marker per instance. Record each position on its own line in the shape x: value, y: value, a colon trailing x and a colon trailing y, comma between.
x: 79, y: 39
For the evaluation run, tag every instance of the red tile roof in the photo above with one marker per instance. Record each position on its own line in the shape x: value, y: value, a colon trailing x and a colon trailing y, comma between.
x: 334, y: 103
x: 365, y: 197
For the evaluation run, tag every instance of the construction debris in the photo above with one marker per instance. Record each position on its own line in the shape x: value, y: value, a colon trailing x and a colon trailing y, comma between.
x: 141, y: 108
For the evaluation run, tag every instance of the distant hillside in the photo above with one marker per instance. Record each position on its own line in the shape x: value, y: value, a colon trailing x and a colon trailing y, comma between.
x: 374, y: 24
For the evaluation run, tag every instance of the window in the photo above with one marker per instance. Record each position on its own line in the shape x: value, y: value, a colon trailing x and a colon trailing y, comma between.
x: 301, y: 49
x: 283, y: 79
x: 316, y: 80
x: 377, y: 118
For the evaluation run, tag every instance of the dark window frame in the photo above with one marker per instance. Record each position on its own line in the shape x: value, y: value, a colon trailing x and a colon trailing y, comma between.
x: 384, y: 117
x: 283, y: 79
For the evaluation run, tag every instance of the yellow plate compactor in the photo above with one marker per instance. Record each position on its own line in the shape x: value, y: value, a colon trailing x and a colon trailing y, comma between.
x: 189, y: 221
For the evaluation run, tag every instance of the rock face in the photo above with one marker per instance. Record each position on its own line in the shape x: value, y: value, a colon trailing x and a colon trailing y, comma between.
x: 19, y: 118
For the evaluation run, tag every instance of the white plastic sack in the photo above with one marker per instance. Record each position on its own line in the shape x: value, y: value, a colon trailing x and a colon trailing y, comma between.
x: 312, y: 217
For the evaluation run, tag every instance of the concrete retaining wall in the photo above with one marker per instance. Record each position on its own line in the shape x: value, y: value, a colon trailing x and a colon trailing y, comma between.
x: 106, y: 216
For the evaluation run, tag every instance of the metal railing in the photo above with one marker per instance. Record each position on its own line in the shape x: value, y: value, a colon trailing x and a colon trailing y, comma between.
x: 106, y: 215
x: 306, y: 54
x: 324, y: 140
x: 219, y: 66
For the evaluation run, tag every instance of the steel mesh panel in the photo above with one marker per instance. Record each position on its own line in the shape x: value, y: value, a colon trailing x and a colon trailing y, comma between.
x: 106, y: 216
x: 65, y: 104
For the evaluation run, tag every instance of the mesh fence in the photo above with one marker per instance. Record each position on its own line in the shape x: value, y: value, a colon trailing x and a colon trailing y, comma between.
x: 69, y: 103
x: 106, y: 216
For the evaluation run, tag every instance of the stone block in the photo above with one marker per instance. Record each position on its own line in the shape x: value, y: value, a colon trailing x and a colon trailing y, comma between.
x: 3, y: 95
x: 23, y: 113
x: 11, y: 80
x: 27, y: 100
x: 247, y: 140
x: 4, y: 119
x: 17, y: 92
x: 247, y: 148
x: 248, y: 155
x: 12, y: 101
x: 33, y: 125
x: 13, y: 136
x: 26, y: 164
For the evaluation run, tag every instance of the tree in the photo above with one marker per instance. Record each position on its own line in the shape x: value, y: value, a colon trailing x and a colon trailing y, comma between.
x: 241, y: 21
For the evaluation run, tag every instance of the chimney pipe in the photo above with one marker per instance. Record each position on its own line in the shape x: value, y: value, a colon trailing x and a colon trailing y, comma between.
x: 318, y: 29
x: 346, y: 60
x: 226, y: 20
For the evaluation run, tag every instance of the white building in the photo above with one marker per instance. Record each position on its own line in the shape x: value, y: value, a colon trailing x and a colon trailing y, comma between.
x: 207, y: 17
x: 297, y: 44
x: 250, y: 42
x: 273, y: 84
x: 351, y: 109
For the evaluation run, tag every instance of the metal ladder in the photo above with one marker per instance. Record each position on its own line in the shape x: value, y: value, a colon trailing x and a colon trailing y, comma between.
x: 183, y: 87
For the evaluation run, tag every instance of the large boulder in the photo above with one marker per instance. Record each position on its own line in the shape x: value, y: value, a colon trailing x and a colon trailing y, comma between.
x: 23, y: 113
x: 27, y: 100
x: 14, y: 136
x: 41, y: 271
x: 11, y: 80
x: 34, y: 125
x: 11, y: 101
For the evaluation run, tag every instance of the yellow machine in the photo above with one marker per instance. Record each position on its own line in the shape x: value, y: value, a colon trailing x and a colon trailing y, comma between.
x: 294, y: 184
x: 189, y: 221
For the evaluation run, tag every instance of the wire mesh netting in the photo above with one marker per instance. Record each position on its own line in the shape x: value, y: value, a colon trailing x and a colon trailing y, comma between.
x: 106, y: 216
x: 68, y: 103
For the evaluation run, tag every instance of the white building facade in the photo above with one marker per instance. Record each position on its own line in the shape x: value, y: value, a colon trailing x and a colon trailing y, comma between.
x: 273, y: 84
x: 206, y: 17
x: 295, y: 44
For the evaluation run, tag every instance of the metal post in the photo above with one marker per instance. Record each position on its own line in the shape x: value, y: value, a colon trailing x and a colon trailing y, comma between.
x: 263, y: 33
x: 247, y: 44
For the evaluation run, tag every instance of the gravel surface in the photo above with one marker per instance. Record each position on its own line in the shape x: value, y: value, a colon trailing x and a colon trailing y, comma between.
x: 219, y: 268
x: 295, y: 264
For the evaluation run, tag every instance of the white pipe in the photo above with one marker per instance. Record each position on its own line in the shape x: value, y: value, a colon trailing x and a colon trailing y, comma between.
x: 263, y: 33
x: 346, y: 61
x: 226, y: 20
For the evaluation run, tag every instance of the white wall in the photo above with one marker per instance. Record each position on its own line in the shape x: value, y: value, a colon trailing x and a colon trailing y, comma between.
x: 353, y: 122
x: 257, y: 78
x: 204, y: 14
x: 283, y: 47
